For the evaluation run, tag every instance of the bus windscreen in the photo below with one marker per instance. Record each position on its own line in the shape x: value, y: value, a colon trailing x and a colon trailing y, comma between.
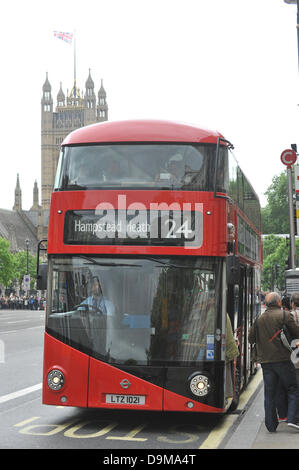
x: 170, y: 315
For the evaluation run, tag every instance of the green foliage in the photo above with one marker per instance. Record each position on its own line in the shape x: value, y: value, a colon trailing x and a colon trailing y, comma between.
x: 275, y: 220
x: 14, y: 266
x: 275, y: 216
x: 7, y: 263
x: 275, y: 252
x: 21, y: 267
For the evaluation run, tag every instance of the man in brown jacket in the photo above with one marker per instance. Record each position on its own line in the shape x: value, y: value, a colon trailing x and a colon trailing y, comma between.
x: 275, y: 360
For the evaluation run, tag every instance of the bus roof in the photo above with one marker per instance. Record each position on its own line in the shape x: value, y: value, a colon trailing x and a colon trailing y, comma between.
x: 141, y: 131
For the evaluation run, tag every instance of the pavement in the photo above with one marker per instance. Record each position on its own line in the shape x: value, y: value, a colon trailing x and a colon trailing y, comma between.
x: 249, y: 430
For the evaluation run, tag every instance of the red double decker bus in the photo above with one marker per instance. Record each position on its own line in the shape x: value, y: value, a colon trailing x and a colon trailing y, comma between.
x: 154, y: 236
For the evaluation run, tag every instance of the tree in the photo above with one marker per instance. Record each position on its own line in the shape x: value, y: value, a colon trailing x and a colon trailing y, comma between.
x: 275, y: 216
x: 21, y: 267
x: 14, y: 266
x: 275, y: 252
x: 275, y: 220
x: 7, y: 263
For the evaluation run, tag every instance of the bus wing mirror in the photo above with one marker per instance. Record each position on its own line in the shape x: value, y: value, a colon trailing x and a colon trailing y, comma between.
x: 42, y: 275
x: 41, y: 268
x: 232, y: 269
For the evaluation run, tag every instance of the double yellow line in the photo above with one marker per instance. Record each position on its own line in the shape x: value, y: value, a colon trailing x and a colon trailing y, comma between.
x: 216, y: 436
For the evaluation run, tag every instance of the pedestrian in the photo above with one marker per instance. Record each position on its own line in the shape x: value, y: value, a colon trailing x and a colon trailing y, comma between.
x: 295, y: 314
x: 285, y: 302
x: 282, y: 396
x: 275, y: 360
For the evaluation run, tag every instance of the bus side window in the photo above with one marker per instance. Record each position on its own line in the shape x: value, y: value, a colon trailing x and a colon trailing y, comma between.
x: 233, y: 183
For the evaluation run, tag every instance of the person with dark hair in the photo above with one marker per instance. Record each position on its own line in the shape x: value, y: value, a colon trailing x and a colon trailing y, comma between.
x: 275, y: 360
x: 295, y: 304
x: 295, y: 313
x: 282, y: 396
x: 285, y: 302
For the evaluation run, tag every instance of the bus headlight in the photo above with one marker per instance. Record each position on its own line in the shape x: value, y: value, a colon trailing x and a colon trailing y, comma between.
x: 55, y: 380
x: 200, y: 385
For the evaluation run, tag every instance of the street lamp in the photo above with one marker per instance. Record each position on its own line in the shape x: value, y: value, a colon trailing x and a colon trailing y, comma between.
x: 295, y: 2
x: 27, y: 247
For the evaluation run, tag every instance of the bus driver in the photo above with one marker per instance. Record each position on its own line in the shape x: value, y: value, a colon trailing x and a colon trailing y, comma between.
x: 96, y: 301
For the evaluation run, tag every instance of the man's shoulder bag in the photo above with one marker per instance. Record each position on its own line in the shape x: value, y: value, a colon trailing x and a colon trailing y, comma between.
x: 285, y: 336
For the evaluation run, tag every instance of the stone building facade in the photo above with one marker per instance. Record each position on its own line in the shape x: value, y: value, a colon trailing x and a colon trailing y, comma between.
x: 18, y: 225
x: 76, y: 109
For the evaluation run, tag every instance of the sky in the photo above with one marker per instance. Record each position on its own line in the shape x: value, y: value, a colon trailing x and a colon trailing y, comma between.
x: 226, y: 65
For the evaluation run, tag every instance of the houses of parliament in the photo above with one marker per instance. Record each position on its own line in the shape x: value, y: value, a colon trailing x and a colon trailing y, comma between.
x: 76, y: 109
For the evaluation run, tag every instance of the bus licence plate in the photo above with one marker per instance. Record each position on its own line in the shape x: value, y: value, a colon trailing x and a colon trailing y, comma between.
x: 125, y: 399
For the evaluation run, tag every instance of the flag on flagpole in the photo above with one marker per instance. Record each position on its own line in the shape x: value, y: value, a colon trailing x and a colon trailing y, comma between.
x: 67, y: 37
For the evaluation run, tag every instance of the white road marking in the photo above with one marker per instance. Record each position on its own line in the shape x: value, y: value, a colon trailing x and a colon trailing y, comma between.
x: 20, y: 393
x: 17, y: 321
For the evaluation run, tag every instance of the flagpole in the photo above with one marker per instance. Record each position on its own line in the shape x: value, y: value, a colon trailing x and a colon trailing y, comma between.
x: 75, y: 86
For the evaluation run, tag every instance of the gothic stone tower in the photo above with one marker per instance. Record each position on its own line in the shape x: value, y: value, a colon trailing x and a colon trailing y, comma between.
x: 18, y: 196
x: 74, y: 111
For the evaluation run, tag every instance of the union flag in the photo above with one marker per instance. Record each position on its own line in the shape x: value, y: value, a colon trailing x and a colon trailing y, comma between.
x: 67, y: 37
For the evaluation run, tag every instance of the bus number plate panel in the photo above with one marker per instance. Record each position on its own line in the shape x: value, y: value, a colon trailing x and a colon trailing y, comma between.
x: 125, y: 399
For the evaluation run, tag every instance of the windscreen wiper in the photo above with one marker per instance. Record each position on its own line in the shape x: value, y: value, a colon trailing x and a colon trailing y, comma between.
x: 171, y: 265
x: 93, y: 261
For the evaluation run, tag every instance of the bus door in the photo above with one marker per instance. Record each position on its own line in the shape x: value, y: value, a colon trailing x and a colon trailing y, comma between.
x: 250, y: 303
x: 241, y: 323
x: 245, y: 313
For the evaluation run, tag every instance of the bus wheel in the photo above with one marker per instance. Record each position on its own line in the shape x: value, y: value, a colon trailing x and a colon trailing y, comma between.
x: 237, y: 386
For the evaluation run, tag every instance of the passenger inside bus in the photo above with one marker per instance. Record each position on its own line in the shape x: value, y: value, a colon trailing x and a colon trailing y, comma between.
x: 82, y: 176
x: 174, y: 170
x: 183, y: 170
x: 112, y: 171
x: 176, y: 167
